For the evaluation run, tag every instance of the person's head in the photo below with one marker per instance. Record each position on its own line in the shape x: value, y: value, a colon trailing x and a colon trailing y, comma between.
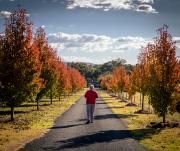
x: 91, y: 87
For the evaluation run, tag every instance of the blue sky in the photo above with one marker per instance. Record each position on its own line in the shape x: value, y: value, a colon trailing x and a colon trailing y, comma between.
x: 99, y: 30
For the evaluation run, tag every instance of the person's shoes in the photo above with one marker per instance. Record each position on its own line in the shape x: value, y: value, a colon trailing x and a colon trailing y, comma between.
x: 92, y: 122
x: 88, y: 122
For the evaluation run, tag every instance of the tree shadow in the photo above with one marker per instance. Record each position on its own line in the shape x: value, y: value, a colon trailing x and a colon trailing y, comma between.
x: 100, y: 103
x: 116, y: 116
x: 115, y: 107
x: 107, y: 97
x: 8, y: 112
x: 100, y: 137
x: 15, y: 112
x: 65, y: 126
x: 140, y: 134
x: 99, y: 99
x: 27, y: 105
x: 105, y: 116
x: 111, y: 116
x: 34, y: 105
x: 48, y: 100
x: 102, y: 108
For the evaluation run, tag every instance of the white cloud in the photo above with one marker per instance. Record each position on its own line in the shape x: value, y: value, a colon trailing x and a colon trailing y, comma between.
x: 75, y: 59
x: 146, y: 1
x: 86, y: 59
x: 107, y: 5
x: 100, y: 4
x: 5, y: 14
x: 177, y: 39
x: 94, y: 43
x: 43, y: 26
x: 57, y: 46
x: 146, y: 8
x: 99, y: 48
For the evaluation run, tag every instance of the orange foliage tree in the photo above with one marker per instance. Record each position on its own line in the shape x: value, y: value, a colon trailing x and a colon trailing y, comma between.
x: 162, y: 72
x: 141, y: 71
x: 119, y: 78
x: 21, y: 67
x: 48, y: 59
x: 29, y: 66
x: 77, y: 81
x: 106, y: 82
x: 130, y: 86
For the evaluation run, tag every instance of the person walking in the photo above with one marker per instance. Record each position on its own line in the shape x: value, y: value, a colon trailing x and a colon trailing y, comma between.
x: 91, y: 96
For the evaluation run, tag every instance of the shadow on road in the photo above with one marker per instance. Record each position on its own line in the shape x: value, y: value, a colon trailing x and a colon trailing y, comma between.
x: 100, y: 137
x: 100, y: 103
x: 108, y: 116
x: 117, y: 107
x: 65, y: 126
x: 111, y: 116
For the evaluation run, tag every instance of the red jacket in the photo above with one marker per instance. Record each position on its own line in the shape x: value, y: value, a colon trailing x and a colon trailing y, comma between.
x: 91, y: 96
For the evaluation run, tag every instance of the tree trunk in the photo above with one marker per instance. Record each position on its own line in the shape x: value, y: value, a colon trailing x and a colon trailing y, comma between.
x: 149, y: 107
x: 12, y: 112
x: 37, y: 104
x: 164, y: 118
x: 134, y: 98
x: 51, y: 99
x: 59, y: 98
x: 51, y: 96
x: 140, y: 98
x: 142, y: 102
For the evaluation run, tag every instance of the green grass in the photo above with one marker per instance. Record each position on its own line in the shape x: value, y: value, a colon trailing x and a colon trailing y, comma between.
x: 167, y: 139
x: 30, y: 123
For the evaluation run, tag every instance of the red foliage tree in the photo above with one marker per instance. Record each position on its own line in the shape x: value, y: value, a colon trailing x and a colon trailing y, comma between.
x: 20, y: 58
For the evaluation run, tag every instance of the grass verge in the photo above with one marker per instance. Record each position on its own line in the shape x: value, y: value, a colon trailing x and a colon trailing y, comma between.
x: 167, y: 139
x: 29, y: 123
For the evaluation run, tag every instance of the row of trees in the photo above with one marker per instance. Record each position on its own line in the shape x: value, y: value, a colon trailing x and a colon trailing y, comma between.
x: 92, y: 72
x: 29, y: 67
x: 156, y: 75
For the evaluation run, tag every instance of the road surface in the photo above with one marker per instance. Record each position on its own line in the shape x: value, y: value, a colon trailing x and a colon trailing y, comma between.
x: 70, y: 133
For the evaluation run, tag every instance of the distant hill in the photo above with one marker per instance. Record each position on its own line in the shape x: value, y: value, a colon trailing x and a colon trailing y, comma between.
x: 93, y: 71
x: 88, y: 63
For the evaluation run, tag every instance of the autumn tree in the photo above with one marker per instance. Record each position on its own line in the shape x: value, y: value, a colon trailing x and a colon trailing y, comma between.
x: 142, y: 73
x: 106, y: 82
x: 20, y: 65
x: 77, y: 81
x: 130, y: 86
x: 163, y: 74
x: 118, y: 77
x: 61, y: 79
x: 49, y: 60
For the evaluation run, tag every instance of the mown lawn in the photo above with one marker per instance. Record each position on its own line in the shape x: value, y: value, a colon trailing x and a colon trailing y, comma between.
x: 30, y: 123
x: 167, y: 139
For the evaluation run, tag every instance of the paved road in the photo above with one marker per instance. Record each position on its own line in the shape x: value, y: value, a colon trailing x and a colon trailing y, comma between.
x: 69, y: 133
